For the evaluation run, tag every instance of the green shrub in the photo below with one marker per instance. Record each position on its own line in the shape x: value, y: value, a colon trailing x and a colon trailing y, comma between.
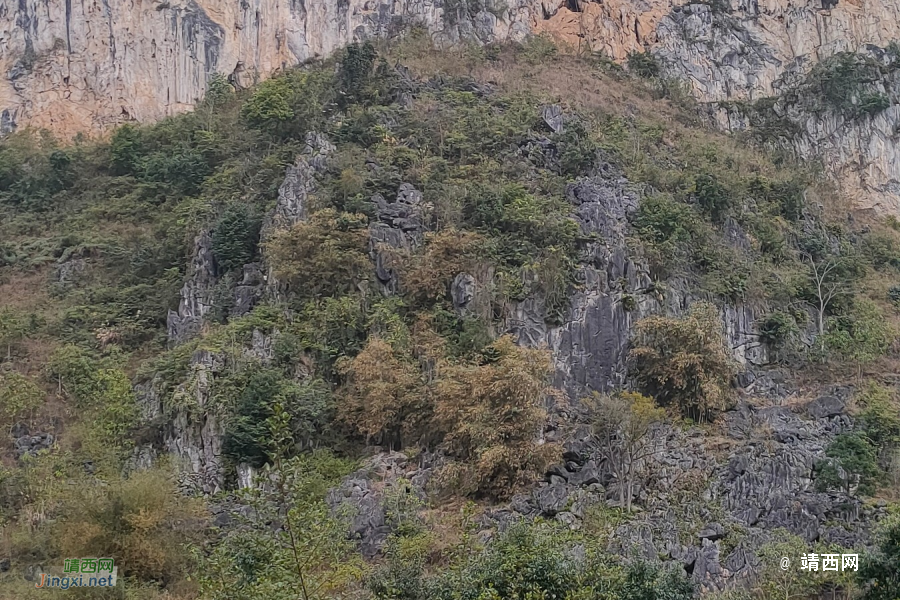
x: 324, y: 256
x: 235, y: 238
x: 712, y: 196
x: 879, y: 419
x: 126, y: 149
x: 538, y: 48
x: 684, y: 361
x: 248, y: 434
x: 852, y: 462
x: 355, y: 72
x: 183, y: 170
x: 534, y: 561
x: 643, y: 64
x: 142, y: 522
x: 523, y: 223
x: 879, y: 569
x: 842, y: 80
x: 861, y: 336
x: 578, y: 150
x: 20, y: 398
x: 289, y: 104
x: 777, y: 329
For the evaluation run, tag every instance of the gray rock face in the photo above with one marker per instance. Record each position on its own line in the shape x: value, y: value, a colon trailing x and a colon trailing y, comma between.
x: 293, y: 195
x: 196, y: 293
x: 694, y: 500
x: 399, y: 228
x: 552, y: 116
x: 32, y: 444
x: 372, y: 508
x: 74, y: 67
x: 69, y: 270
x: 299, y: 182
x: 826, y: 406
x: 249, y: 291
x: 462, y: 292
x: 590, y: 347
x: 192, y: 431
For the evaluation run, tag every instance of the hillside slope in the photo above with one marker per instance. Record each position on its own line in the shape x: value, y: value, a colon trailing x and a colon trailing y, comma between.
x: 490, y: 322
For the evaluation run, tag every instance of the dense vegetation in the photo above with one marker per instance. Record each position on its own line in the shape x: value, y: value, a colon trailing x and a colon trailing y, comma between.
x: 96, y: 239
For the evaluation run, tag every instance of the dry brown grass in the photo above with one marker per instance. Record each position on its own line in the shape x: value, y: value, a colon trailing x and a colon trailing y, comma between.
x: 24, y: 290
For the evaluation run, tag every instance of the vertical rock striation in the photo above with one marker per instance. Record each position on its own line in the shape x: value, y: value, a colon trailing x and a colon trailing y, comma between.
x: 84, y: 66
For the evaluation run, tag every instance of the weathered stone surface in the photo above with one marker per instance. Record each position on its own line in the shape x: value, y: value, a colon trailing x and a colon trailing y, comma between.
x: 191, y: 430
x: 552, y: 116
x: 361, y: 499
x: 32, y: 444
x: 551, y: 499
x: 249, y: 291
x: 84, y: 67
x: 299, y: 182
x: 826, y: 406
x: 399, y: 228
x: 462, y: 291
x: 196, y: 293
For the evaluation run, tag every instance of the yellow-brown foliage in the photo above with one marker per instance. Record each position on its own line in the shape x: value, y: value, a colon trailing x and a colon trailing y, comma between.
x: 384, y: 397
x: 324, y: 256
x: 142, y: 522
x: 684, y: 361
x: 492, y: 416
x: 426, y: 276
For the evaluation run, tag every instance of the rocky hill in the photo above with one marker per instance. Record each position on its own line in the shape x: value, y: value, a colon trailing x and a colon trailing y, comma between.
x: 427, y: 323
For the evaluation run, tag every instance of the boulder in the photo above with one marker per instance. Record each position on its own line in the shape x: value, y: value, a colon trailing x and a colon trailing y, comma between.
x: 827, y: 406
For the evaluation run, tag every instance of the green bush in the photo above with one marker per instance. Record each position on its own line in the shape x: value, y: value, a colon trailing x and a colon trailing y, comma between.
x: 535, y: 561
x: 684, y: 362
x: 852, y: 462
x: 712, y: 197
x: 879, y: 569
x: 643, y: 64
x: 20, y: 398
x: 183, y: 170
x: 860, y: 336
x: 324, y: 256
x: 126, y: 149
x: 289, y: 104
x: 577, y: 149
x: 777, y: 329
x: 235, y: 238
x: 255, y: 392
x: 355, y: 74
x: 879, y: 419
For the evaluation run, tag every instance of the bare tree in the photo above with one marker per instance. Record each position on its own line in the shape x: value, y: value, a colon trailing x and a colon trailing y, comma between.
x: 620, y: 428
x: 827, y: 284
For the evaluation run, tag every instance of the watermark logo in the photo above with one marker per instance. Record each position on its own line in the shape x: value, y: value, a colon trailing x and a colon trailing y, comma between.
x: 828, y: 562
x: 80, y: 572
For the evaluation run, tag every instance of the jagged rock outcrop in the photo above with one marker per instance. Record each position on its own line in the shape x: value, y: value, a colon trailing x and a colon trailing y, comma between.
x: 711, y: 503
x: 614, y: 291
x: 400, y: 227
x: 196, y: 293
x: 387, y: 490
x: 189, y: 426
x: 293, y: 194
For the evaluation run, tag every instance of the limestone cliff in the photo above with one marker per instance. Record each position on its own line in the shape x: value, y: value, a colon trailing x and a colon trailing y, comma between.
x: 82, y: 66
